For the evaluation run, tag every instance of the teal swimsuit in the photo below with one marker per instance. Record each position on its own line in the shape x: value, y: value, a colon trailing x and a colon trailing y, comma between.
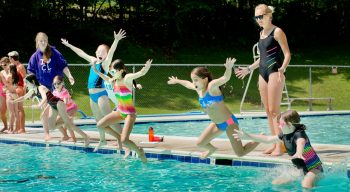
x: 95, y: 81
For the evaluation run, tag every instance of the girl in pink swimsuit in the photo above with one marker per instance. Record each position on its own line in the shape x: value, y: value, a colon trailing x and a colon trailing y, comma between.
x: 3, y: 107
x: 61, y: 92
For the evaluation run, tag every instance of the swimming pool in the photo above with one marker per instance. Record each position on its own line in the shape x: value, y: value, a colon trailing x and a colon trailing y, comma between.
x: 23, y: 167
x: 331, y: 129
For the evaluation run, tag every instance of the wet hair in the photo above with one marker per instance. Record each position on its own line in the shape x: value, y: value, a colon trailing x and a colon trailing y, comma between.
x: 14, y: 74
x: 291, y: 116
x: 32, y: 79
x: 203, y: 73
x: 47, y: 52
x: 268, y: 10
x: 119, y: 65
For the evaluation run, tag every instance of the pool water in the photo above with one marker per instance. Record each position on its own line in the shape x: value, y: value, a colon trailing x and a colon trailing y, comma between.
x: 333, y: 129
x: 24, y: 168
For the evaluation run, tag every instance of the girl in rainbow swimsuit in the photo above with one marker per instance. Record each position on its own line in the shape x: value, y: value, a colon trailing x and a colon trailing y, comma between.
x: 61, y: 92
x: 125, y: 110
x: 297, y: 144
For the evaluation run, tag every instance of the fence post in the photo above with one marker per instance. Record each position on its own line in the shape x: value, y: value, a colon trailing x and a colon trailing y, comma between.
x: 310, y: 96
x: 133, y: 90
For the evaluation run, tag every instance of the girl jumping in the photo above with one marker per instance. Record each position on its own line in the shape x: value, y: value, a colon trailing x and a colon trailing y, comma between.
x: 212, y: 101
x: 52, y: 103
x: 125, y: 110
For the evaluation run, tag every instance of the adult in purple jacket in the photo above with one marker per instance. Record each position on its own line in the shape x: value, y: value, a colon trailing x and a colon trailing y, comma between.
x: 47, y: 62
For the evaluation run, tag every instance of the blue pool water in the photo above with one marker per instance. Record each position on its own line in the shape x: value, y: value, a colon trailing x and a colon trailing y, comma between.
x: 27, y: 168
x: 332, y: 129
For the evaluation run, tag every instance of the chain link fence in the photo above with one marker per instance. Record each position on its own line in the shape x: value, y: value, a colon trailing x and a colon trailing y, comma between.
x: 157, y: 97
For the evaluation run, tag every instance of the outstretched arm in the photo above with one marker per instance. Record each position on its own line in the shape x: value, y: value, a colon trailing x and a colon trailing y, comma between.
x: 216, y: 83
x: 300, y: 148
x: 242, y: 72
x: 24, y: 97
x: 174, y: 80
x: 78, y: 51
x: 117, y: 37
x: 66, y: 72
x: 131, y: 76
x: 103, y: 76
x: 240, y: 134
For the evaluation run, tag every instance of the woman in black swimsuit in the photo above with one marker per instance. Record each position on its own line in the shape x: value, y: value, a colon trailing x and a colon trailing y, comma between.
x: 274, y: 59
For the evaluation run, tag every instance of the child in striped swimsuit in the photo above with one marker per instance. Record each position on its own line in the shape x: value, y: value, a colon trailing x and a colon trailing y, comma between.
x: 297, y: 144
x: 125, y: 110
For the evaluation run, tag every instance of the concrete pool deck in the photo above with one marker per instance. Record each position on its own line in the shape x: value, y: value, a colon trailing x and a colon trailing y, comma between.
x: 185, y: 146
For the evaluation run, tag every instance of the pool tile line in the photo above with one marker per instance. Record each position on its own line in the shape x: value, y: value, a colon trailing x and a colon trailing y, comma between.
x: 187, y: 158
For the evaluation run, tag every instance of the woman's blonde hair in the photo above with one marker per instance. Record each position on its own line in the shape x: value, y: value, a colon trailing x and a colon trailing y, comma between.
x: 47, y: 52
x: 267, y: 9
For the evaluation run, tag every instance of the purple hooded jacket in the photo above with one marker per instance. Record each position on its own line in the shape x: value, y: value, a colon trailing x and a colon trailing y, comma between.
x: 45, y: 72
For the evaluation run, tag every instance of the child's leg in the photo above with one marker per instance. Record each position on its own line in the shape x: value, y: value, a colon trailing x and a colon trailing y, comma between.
x: 282, y: 180
x: 236, y: 144
x: 96, y: 112
x: 63, y: 130
x: 71, y: 115
x: 128, y: 125
x: 44, y: 119
x: 61, y: 107
x: 105, y: 123
x: 52, y: 118
x: 21, y: 115
x: 204, y: 139
x: 16, y: 116
x: 3, y: 112
x: 103, y: 103
x: 311, y: 177
x: 11, y: 113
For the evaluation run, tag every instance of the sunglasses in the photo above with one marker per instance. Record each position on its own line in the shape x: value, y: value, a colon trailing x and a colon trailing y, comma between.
x: 113, y: 72
x: 57, y: 83
x: 259, y: 17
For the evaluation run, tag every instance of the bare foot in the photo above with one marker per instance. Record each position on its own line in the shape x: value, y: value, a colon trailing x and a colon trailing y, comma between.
x: 142, y: 156
x: 64, y: 138
x: 277, y: 152
x: 86, y: 141
x: 3, y: 129
x: 126, y: 153
x: 100, y: 144
x: 207, y: 153
x: 74, y: 140
x: 47, y: 137
x: 269, y: 150
x: 21, y: 131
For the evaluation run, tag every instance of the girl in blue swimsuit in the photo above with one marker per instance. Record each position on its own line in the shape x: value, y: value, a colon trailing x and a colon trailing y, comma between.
x: 211, y: 100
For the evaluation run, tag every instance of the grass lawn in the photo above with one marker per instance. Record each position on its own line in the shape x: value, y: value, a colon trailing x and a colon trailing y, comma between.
x: 157, y: 97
